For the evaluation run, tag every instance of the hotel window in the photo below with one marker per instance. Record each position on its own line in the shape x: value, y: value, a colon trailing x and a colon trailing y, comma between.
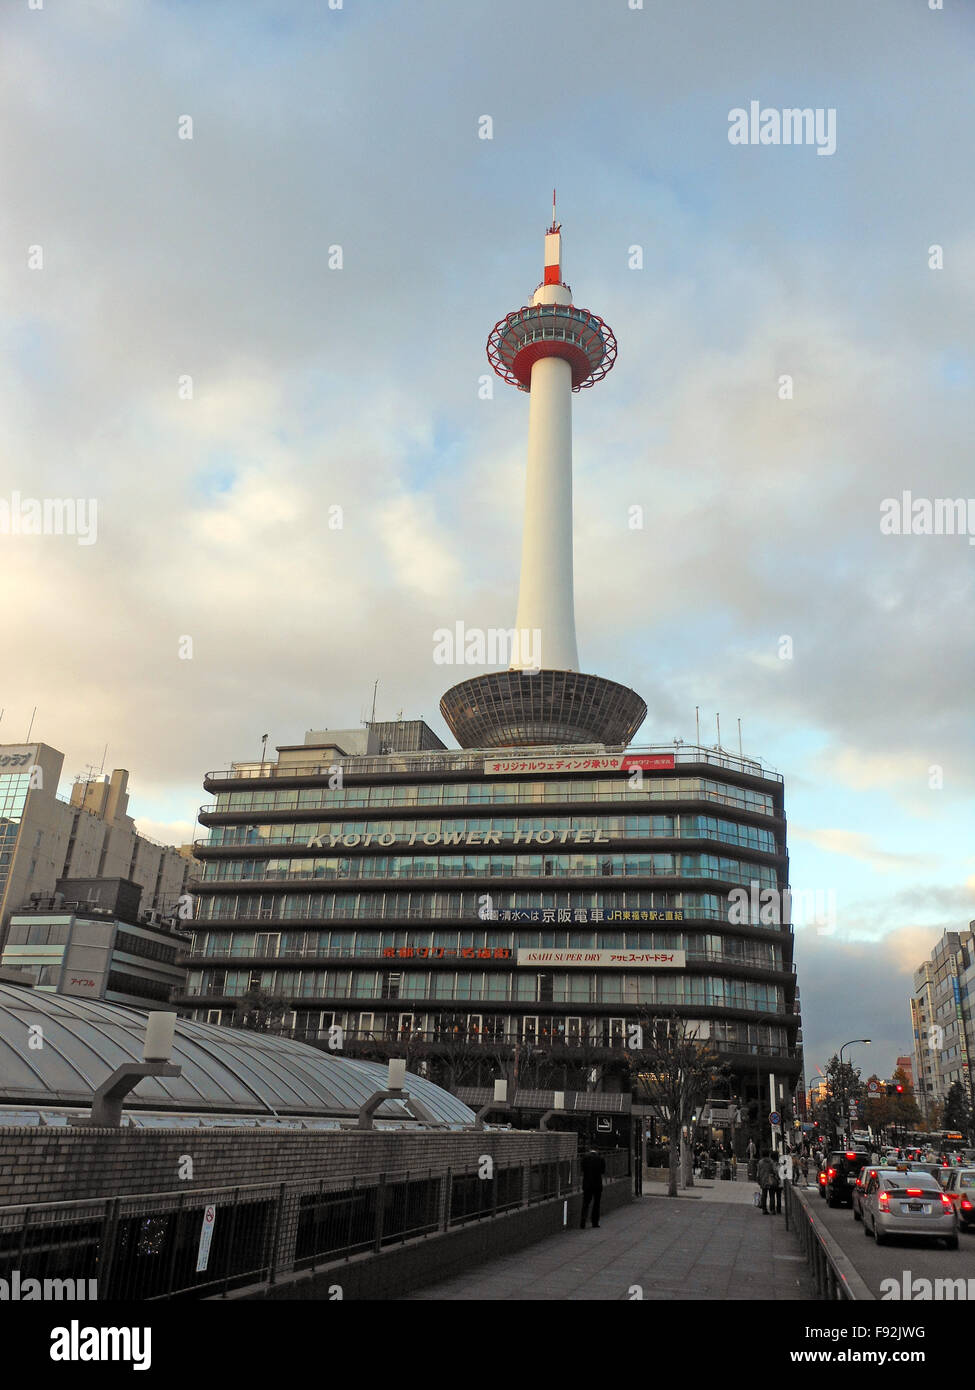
x: 580, y: 986
x: 525, y: 986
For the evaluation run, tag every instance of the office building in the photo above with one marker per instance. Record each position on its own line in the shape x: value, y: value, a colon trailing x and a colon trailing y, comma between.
x: 942, y: 1020
x: 90, y: 939
x: 44, y: 837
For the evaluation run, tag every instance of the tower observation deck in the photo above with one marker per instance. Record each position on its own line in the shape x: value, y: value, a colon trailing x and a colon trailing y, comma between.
x: 549, y: 348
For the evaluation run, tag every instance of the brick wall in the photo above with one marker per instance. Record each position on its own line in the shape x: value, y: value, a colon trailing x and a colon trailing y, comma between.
x: 47, y: 1165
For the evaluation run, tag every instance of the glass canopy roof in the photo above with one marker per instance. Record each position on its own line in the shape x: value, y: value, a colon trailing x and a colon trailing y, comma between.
x: 80, y: 1042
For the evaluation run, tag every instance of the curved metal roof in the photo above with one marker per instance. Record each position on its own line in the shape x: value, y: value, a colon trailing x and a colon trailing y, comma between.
x: 224, y: 1069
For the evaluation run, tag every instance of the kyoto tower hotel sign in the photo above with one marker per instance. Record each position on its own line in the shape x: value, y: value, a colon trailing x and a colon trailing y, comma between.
x: 550, y: 349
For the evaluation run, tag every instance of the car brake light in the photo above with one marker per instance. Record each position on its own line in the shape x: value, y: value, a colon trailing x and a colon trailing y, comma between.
x: 882, y: 1198
x: 966, y: 1204
x: 831, y: 1172
x: 853, y: 1155
x: 946, y: 1200
x: 915, y: 1192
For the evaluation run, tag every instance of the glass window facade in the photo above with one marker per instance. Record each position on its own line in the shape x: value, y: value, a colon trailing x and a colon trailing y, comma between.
x: 505, y: 791
x: 621, y: 827
x: 14, y: 787
x: 490, y: 866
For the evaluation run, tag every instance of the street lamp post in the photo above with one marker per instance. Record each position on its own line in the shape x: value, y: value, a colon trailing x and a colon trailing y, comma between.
x: 846, y: 1103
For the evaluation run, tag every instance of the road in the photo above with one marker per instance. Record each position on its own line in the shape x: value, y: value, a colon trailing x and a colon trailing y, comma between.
x: 924, y: 1259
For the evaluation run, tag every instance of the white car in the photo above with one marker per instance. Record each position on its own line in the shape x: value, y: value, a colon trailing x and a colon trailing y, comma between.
x: 908, y: 1203
x: 960, y: 1190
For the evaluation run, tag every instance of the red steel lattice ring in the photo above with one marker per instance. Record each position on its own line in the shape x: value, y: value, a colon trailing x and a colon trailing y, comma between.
x: 514, y: 344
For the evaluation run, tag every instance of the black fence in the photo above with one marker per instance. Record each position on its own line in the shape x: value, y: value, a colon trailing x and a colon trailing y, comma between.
x: 152, y: 1246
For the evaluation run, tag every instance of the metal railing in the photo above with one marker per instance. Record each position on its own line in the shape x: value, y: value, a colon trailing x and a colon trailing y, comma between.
x: 460, y: 761
x: 310, y: 990
x: 420, y: 871
x: 394, y: 1039
x: 833, y: 1271
x: 146, y: 1247
x: 393, y: 911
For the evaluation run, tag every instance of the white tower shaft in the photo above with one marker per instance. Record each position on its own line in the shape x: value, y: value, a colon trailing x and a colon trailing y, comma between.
x: 545, y: 598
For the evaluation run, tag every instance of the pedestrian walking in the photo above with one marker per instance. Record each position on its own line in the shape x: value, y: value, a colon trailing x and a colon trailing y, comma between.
x: 593, y: 1168
x: 768, y: 1181
x: 751, y: 1154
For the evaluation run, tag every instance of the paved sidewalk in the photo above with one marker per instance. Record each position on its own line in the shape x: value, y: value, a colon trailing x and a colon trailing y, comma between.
x: 740, y: 1192
x: 709, y: 1243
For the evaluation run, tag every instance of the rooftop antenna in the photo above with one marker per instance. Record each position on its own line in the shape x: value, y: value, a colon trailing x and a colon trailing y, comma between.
x: 30, y: 726
x: 555, y: 226
x: 374, y: 689
x: 104, y: 756
x: 697, y: 722
x: 740, y: 753
x: 718, y: 721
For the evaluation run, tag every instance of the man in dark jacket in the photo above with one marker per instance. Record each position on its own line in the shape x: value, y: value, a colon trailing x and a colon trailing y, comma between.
x: 593, y: 1168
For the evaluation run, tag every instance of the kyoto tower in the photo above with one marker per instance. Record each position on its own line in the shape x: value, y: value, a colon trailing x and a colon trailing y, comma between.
x: 549, y: 349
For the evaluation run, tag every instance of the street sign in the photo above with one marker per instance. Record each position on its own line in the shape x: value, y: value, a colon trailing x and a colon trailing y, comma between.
x: 873, y: 1087
x: 206, y: 1237
x: 604, y: 1125
x: 774, y: 1118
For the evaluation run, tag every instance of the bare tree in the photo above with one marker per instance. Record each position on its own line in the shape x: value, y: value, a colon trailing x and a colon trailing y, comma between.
x: 455, y: 1060
x: 261, y: 1011
x: 673, y: 1070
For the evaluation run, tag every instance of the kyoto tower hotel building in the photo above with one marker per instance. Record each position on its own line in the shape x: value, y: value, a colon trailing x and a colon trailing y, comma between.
x: 507, y: 907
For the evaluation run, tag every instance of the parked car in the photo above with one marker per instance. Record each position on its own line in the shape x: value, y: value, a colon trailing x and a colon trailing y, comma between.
x: 960, y: 1190
x: 908, y: 1203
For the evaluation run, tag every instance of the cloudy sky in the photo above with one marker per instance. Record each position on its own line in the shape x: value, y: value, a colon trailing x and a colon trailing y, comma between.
x: 760, y: 586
